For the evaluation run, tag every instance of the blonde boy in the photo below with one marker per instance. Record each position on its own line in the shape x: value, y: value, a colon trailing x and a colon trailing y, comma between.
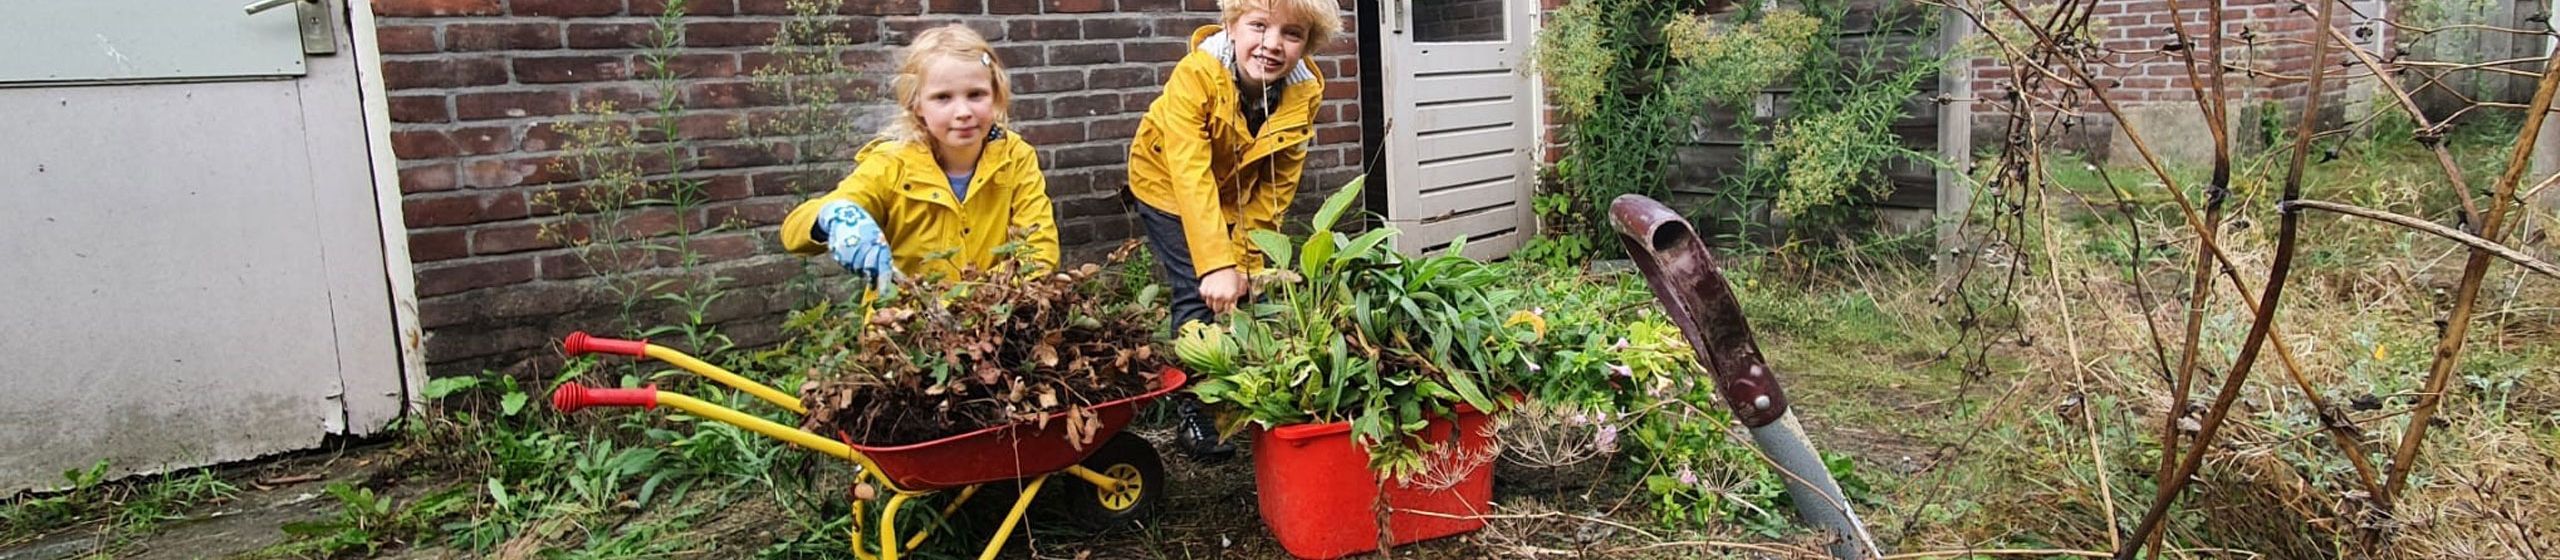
x: 1220, y: 153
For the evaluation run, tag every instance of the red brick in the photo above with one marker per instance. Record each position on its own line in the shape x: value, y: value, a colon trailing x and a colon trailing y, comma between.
x: 1338, y: 133
x: 515, y: 238
x: 1077, y: 6
x: 621, y: 98
x: 1200, y: 5
x: 432, y: 73
x: 431, y: 246
x: 1052, y: 133
x: 510, y: 105
x: 418, y: 109
x: 956, y: 7
x: 484, y: 140
x: 1342, y: 90
x: 1021, y: 56
x: 504, y: 205
x: 543, y: 137
x: 751, y: 213
x: 428, y: 178
x: 405, y: 39
x: 440, y: 279
x: 1087, y: 156
x: 711, y: 65
x: 725, y: 95
x: 1041, y: 30
x: 1013, y: 7
x: 1116, y: 27
x: 850, y: 7
x: 427, y: 8
x: 1138, y: 101
x: 1086, y: 106
x: 608, y: 35
x: 559, y: 69
x: 735, y: 156
x: 439, y: 210
x: 564, y: 8
x: 691, y: 7
x: 1030, y: 109
x: 714, y: 126
x: 492, y: 173
x: 501, y: 36
x: 421, y: 144
x: 1118, y: 128
x: 729, y: 33
x: 1047, y: 81
x: 1155, y: 51
x: 1122, y: 78
x: 727, y: 187
x: 882, y: 7
x: 1081, y: 54
x: 1150, y: 5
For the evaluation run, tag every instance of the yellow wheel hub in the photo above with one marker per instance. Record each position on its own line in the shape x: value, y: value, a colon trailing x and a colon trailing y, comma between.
x: 1132, y: 487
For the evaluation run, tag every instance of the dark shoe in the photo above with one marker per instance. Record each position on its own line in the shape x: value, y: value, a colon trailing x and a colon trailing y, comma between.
x: 1197, y: 437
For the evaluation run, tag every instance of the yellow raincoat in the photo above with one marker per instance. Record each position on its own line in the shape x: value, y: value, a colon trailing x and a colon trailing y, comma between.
x: 1194, y: 158
x: 901, y: 186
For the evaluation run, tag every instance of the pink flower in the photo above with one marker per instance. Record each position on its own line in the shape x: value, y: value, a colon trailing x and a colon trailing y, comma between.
x: 1620, y: 346
x: 1688, y: 477
x: 1622, y: 371
x: 1607, y: 440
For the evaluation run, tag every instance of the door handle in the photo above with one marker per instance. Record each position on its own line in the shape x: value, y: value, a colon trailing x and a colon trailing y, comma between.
x: 264, y: 5
x: 318, y: 23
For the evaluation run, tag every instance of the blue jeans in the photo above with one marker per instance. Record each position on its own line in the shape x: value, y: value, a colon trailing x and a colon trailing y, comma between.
x: 1173, y: 264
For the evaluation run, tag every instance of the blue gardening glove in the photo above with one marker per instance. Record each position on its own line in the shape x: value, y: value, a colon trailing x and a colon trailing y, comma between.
x: 856, y: 242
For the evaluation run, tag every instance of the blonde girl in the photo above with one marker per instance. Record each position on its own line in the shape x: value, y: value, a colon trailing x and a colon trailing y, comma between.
x: 944, y: 184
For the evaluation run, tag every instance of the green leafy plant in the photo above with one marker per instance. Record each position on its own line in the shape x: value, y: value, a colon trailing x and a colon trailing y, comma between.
x: 367, y: 522
x: 1350, y: 331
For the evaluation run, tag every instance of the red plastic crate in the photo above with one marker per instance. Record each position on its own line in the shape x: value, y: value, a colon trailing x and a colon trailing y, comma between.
x: 1317, y: 493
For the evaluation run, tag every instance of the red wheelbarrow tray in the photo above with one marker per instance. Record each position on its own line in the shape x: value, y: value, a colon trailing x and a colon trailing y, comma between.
x: 1034, y: 447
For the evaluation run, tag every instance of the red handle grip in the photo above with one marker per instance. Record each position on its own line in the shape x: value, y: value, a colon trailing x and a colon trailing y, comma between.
x: 571, y: 397
x: 579, y: 343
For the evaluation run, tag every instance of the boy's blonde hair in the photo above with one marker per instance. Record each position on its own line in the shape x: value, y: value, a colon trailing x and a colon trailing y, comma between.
x: 1323, y: 18
x: 956, y: 42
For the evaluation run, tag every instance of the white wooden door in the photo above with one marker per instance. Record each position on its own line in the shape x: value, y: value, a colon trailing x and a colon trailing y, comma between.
x: 1460, y: 123
x: 193, y: 256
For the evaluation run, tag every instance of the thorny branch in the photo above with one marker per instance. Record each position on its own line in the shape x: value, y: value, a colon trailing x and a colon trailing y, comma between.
x: 2053, y: 74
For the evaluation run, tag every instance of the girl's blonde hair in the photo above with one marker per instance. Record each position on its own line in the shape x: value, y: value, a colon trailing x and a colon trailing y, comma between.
x: 956, y: 42
x: 1322, y: 17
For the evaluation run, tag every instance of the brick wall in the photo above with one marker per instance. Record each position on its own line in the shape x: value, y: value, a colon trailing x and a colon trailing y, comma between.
x: 2267, y: 38
x: 475, y: 86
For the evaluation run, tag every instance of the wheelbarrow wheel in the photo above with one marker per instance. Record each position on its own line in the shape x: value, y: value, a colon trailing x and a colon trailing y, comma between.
x: 1134, y: 462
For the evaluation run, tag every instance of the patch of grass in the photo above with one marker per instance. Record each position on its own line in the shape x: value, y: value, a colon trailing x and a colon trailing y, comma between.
x: 123, y: 510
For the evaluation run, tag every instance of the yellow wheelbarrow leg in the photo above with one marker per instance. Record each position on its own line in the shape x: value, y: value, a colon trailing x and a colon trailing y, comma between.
x: 965, y: 494
x: 1012, y: 518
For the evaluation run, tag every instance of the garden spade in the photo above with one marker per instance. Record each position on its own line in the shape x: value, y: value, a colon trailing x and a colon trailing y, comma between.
x: 1684, y: 276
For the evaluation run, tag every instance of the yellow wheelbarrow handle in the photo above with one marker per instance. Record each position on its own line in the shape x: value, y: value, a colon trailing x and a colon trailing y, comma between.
x: 579, y: 343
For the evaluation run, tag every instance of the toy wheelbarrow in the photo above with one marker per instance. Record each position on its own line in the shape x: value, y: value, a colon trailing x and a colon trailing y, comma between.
x: 1119, y: 479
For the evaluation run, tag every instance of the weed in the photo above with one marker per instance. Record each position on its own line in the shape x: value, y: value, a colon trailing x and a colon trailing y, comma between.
x: 368, y: 522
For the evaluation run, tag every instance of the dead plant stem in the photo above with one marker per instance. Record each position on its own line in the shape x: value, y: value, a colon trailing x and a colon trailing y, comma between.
x: 2438, y: 230
x: 2287, y: 232
x: 2458, y: 325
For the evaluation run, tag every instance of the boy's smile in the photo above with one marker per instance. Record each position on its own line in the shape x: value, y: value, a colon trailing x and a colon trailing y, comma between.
x: 1266, y: 47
